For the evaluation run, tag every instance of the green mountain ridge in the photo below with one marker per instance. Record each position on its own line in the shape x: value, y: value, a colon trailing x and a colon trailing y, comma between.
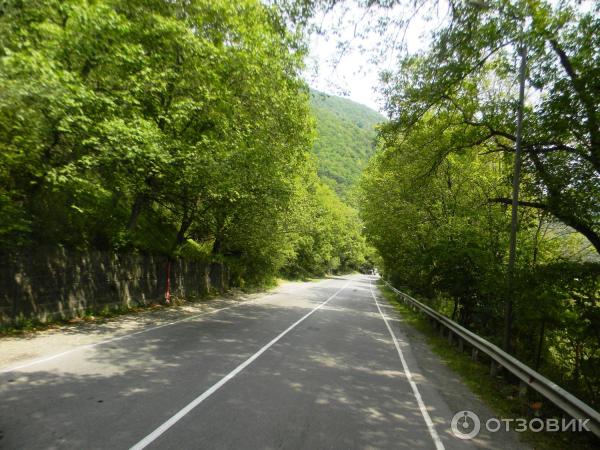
x: 345, y: 139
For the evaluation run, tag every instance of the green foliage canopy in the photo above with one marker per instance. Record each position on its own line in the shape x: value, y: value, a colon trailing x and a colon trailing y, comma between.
x: 435, y: 197
x: 178, y: 127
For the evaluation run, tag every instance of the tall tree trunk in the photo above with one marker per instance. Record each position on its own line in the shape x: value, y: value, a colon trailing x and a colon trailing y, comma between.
x: 186, y: 222
x: 539, y: 349
x: 136, y: 210
x: 216, y: 249
x: 218, y: 244
x: 455, y: 310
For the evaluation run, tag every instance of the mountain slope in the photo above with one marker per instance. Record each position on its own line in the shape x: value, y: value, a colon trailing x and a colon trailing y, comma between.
x: 345, y: 140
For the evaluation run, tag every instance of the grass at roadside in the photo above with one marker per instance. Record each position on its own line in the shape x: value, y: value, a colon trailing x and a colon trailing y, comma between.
x: 500, y: 396
x: 100, y: 315
x: 106, y: 313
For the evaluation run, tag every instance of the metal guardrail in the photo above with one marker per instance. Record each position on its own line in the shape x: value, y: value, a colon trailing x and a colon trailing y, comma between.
x: 548, y: 389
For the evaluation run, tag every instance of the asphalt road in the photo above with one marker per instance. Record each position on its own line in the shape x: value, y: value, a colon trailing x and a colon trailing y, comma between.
x: 320, y: 365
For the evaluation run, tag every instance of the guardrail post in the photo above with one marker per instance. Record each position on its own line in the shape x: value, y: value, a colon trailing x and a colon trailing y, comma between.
x: 522, y: 389
x: 450, y: 337
x: 474, y: 354
x: 494, y: 367
x: 461, y: 345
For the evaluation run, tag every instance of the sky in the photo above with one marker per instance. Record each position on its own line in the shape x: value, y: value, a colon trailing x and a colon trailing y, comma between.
x: 355, y: 75
x: 354, y: 72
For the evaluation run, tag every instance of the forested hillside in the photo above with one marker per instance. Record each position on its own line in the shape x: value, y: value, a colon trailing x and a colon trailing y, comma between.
x: 172, y: 128
x: 345, y: 139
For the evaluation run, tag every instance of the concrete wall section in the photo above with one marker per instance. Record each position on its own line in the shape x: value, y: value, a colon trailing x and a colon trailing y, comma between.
x: 58, y: 283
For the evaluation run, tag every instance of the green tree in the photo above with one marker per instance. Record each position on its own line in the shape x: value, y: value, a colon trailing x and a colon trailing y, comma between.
x: 179, y: 127
x: 469, y: 70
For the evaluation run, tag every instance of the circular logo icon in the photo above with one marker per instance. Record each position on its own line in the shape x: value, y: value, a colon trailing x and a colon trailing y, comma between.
x: 465, y: 425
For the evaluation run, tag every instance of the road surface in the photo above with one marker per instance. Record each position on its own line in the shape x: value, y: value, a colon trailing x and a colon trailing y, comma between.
x: 321, y: 365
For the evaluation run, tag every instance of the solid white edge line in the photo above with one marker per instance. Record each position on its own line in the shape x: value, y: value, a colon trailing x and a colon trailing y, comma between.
x: 190, y: 406
x: 118, y: 338
x: 439, y: 445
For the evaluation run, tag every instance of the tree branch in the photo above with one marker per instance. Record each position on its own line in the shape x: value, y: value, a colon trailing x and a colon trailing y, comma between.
x: 588, y: 102
x: 508, y: 201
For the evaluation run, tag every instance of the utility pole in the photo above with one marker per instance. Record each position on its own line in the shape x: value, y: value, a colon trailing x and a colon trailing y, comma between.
x: 508, y: 312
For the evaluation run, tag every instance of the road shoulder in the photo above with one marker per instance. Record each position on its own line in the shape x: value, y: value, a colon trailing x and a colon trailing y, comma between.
x: 438, y: 381
x: 22, y: 348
